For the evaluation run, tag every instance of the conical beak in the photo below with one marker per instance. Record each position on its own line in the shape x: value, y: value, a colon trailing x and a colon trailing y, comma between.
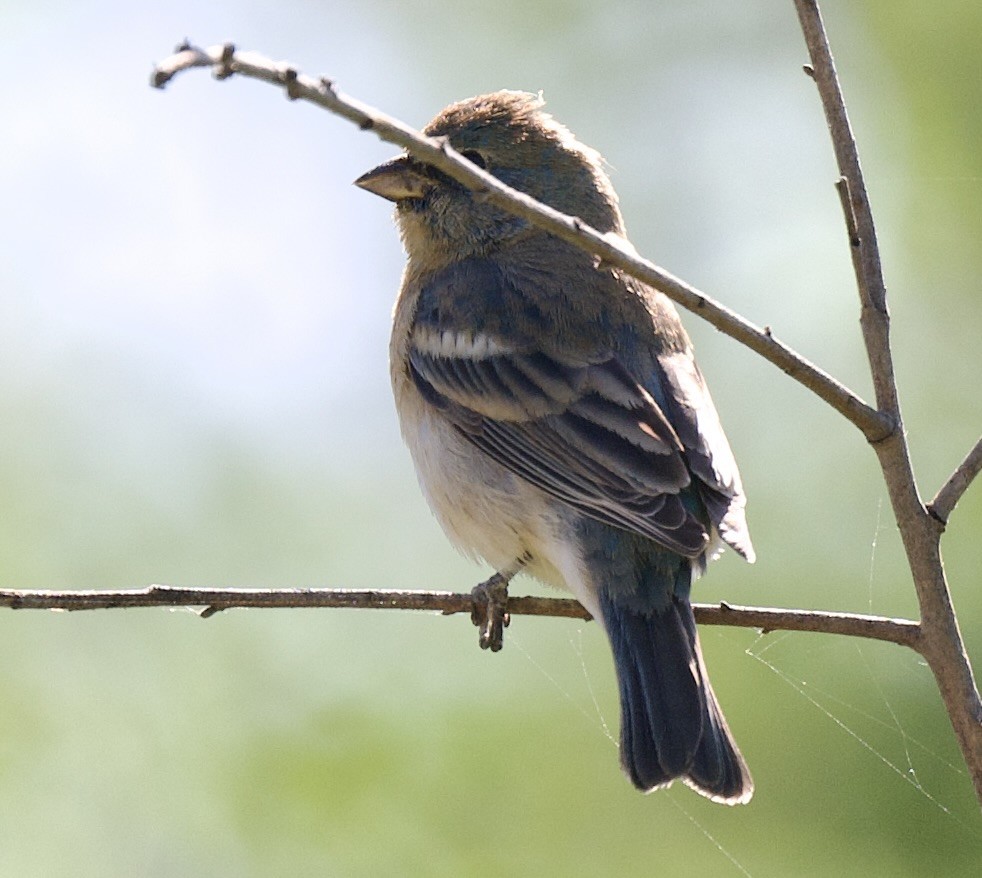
x: 397, y: 180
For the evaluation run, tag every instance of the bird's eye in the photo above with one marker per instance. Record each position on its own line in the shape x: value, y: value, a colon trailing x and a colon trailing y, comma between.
x: 475, y: 158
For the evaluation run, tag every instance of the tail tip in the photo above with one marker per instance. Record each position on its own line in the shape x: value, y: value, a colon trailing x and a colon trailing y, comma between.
x: 735, y: 794
x: 735, y: 789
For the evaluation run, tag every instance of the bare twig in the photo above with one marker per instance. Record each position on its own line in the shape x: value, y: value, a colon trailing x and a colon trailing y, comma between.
x: 899, y: 631
x: 612, y: 250
x: 951, y: 491
x: 874, y: 318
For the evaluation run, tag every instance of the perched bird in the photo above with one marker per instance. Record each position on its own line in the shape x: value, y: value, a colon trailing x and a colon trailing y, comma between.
x: 559, y: 424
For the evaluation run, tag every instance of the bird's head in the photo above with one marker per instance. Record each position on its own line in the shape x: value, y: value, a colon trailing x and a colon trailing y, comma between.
x: 508, y: 134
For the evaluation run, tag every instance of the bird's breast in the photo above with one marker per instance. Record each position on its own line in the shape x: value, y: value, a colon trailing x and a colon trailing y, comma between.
x: 479, y: 504
x: 486, y: 511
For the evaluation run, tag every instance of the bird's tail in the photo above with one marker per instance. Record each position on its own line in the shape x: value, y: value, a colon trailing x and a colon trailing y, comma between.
x: 671, y: 722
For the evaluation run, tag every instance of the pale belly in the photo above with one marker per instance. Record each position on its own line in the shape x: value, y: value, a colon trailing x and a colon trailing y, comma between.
x: 487, y: 511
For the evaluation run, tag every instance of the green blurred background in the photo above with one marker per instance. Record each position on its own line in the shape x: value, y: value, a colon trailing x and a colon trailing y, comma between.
x: 193, y: 390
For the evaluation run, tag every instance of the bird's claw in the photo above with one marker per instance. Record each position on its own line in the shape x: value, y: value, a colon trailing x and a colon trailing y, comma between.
x: 489, y: 611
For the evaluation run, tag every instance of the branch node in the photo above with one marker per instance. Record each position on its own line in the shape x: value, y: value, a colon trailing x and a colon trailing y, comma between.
x: 889, y: 430
x: 223, y: 70
x: 808, y: 70
x: 288, y: 76
x: 327, y: 85
x: 210, y: 611
x: 845, y: 198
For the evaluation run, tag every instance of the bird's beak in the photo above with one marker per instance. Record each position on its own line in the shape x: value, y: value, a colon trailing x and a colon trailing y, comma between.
x: 397, y: 180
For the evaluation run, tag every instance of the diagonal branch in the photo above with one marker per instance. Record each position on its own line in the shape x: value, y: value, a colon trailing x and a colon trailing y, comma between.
x: 612, y: 250
x: 951, y: 491
x: 899, y: 631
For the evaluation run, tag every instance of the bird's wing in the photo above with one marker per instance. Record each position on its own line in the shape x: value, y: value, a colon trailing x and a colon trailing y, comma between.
x: 582, y: 430
x: 707, y: 451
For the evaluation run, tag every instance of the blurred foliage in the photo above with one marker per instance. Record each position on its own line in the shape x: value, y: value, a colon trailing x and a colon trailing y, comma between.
x: 193, y: 391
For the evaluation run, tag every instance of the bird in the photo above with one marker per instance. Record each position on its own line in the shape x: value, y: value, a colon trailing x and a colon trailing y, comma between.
x: 559, y: 424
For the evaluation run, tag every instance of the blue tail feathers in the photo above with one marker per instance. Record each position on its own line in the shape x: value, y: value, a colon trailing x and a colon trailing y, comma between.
x: 671, y: 723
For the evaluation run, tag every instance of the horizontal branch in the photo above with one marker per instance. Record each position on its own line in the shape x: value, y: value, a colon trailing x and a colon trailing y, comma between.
x: 951, y: 491
x: 612, y: 250
x: 899, y: 631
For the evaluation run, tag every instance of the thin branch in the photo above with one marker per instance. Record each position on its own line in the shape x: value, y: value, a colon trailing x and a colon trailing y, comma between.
x: 951, y: 491
x: 899, y: 631
x: 611, y: 249
x: 874, y: 318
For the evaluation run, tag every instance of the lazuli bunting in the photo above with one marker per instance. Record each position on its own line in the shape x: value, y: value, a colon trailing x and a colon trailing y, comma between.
x: 559, y: 424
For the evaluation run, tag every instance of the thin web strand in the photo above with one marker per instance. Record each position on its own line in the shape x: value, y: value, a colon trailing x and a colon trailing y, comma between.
x: 513, y: 641
x: 578, y: 650
x: 800, y: 685
x: 889, y: 726
x: 893, y: 716
x: 709, y: 836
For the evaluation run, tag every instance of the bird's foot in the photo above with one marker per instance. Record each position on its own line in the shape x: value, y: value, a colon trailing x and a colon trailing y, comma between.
x: 489, y: 611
